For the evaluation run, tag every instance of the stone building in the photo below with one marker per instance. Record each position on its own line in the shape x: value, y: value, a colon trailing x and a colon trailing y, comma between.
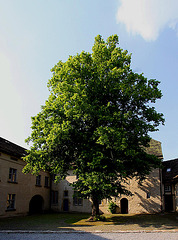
x: 20, y: 193
x: 170, y: 185
x: 146, y: 198
x: 24, y: 193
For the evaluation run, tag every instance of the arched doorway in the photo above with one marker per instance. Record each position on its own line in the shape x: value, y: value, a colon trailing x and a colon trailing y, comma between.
x: 36, y: 204
x: 124, y: 206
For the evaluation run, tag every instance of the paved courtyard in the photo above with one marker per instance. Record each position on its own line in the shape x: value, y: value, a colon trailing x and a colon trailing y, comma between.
x: 91, y: 236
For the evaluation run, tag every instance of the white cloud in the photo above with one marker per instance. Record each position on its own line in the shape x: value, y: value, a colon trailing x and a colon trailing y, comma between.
x: 148, y: 17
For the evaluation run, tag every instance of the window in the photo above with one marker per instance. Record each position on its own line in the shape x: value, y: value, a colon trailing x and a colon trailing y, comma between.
x: 167, y: 188
x: 54, y: 197
x: 38, y: 180
x: 65, y: 193
x: 148, y: 195
x: 12, y: 174
x: 77, y: 201
x: 11, y: 202
x: 46, y: 181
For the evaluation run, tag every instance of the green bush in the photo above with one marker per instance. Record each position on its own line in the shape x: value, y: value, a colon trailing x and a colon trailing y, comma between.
x: 112, y: 207
x: 99, y: 218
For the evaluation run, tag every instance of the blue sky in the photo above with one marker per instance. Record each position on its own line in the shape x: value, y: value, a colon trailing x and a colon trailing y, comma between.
x: 36, y: 34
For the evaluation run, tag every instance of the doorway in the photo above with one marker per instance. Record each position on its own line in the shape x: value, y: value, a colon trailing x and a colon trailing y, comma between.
x: 66, y: 205
x: 36, y: 205
x: 124, y: 206
x: 168, y: 203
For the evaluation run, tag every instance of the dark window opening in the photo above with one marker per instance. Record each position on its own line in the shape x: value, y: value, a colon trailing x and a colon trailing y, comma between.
x: 65, y: 193
x: 10, y: 201
x: 12, y: 175
x: 54, y: 197
x: 46, y: 181
x: 167, y: 188
x: 38, y: 180
x: 77, y: 201
x: 148, y: 195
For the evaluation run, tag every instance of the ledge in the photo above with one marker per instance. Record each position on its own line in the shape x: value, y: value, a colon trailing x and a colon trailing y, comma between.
x: 10, y: 210
x: 12, y: 182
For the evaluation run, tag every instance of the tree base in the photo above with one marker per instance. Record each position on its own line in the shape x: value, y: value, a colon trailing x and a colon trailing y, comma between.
x: 91, y: 219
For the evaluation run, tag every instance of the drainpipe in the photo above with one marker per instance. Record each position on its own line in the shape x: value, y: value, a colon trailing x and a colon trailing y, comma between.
x: 161, y: 183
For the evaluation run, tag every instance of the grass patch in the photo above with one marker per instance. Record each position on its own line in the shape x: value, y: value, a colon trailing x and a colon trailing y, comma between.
x: 72, y: 221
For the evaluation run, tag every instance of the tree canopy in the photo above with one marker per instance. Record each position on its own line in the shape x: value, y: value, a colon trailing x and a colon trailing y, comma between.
x: 97, y: 119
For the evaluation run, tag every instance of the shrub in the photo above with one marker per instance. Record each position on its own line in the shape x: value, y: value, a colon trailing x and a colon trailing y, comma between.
x: 99, y: 218
x: 112, y: 207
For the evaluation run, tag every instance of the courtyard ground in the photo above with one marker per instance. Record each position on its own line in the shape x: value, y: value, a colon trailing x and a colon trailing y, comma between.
x: 78, y: 222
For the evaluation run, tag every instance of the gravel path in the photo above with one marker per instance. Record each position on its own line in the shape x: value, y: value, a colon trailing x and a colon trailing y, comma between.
x: 91, y: 236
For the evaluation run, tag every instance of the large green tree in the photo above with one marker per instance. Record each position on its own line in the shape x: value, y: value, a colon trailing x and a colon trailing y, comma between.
x: 96, y: 120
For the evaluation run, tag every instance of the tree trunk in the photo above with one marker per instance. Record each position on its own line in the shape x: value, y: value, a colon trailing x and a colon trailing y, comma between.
x: 95, y: 206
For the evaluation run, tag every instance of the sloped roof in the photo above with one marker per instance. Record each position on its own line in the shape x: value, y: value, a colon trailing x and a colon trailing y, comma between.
x: 170, y: 170
x: 11, y: 148
x: 155, y: 148
x: 18, y: 151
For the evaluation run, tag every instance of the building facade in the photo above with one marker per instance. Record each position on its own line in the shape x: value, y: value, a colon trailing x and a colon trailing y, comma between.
x: 170, y: 185
x: 146, y: 198
x: 21, y: 194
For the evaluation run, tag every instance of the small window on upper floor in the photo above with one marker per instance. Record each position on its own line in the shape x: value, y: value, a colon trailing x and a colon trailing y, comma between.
x: 168, y: 170
x: 65, y: 193
x: 167, y: 188
x: 38, y: 180
x: 148, y: 195
x: 12, y: 175
x: 46, y: 181
x: 54, y: 197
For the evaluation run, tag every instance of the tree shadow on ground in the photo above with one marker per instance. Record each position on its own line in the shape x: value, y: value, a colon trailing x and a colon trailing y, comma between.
x: 46, y: 236
x: 71, y: 222
x: 166, y: 221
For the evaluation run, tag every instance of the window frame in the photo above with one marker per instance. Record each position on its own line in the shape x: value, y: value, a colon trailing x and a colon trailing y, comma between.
x: 54, y: 197
x: 12, y: 175
x: 38, y: 181
x: 10, y: 202
x: 167, y: 188
x: 66, y: 193
x: 77, y: 201
x: 46, y: 181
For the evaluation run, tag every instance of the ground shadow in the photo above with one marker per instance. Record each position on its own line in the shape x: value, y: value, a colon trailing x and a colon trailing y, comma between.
x: 70, y: 222
x: 158, y: 221
x: 47, y: 236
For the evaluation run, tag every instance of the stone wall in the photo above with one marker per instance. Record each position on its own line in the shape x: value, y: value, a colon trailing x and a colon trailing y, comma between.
x: 65, y: 195
x: 146, y: 198
x: 24, y: 187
